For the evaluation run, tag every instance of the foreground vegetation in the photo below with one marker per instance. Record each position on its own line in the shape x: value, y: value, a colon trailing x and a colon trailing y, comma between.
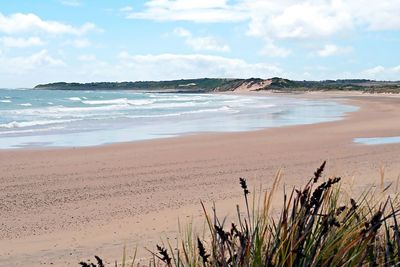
x: 317, y: 225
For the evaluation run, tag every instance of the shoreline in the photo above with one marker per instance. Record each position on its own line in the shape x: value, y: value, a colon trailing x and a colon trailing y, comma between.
x: 91, y: 200
x: 295, y: 95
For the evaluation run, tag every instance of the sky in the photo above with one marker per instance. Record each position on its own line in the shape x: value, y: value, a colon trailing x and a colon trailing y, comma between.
x: 89, y: 41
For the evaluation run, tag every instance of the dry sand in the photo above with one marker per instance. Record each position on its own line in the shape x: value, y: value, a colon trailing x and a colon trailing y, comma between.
x: 60, y: 206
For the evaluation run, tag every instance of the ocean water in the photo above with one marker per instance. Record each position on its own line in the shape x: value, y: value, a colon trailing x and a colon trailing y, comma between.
x: 44, y: 118
x: 378, y: 140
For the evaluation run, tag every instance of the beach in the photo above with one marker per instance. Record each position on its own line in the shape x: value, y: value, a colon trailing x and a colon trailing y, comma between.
x: 63, y: 205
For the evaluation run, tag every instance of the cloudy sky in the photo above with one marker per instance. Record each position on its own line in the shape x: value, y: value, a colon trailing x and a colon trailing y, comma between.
x: 121, y: 40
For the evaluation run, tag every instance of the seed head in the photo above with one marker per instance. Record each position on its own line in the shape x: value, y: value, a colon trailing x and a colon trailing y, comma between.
x: 243, y: 184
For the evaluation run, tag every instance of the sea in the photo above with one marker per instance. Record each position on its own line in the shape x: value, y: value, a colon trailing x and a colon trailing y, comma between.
x: 52, y: 118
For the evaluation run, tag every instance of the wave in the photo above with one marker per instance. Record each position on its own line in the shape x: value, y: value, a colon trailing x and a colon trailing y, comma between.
x: 75, y: 98
x: 181, y: 98
x: 174, y: 105
x: 125, y: 101
x: 27, y: 131
x: 225, y: 109
x: 57, y: 111
x: 120, y: 110
x: 24, y: 124
x: 5, y: 101
x: 25, y: 104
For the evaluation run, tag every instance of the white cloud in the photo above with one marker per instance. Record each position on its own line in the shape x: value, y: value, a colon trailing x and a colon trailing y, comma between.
x: 382, y: 73
x: 19, y: 22
x: 43, y: 68
x: 396, y: 69
x: 331, y: 49
x: 272, y: 50
x: 382, y: 15
x: 177, y: 66
x: 297, y: 19
x: 205, y: 43
x: 374, y: 71
x: 311, y: 20
x: 187, y: 4
x: 89, y: 57
x: 319, y: 18
x: 189, y: 10
x: 182, y: 32
x: 73, y: 3
x: 79, y: 43
x: 126, y: 9
x: 20, y: 42
x: 285, y: 19
x: 23, y: 64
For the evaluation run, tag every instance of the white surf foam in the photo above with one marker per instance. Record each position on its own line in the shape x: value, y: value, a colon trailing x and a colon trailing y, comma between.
x: 62, y: 111
x: 23, y: 124
x: 123, y: 101
x: 225, y: 109
x: 74, y: 98
x: 27, y: 131
x: 173, y: 105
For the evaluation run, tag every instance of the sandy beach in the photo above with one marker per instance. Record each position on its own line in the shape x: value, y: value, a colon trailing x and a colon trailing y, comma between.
x: 61, y: 206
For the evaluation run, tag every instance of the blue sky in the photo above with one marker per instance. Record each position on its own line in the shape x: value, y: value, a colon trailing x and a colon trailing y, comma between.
x: 84, y: 41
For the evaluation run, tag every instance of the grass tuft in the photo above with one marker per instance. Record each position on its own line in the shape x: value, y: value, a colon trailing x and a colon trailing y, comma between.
x: 317, y: 225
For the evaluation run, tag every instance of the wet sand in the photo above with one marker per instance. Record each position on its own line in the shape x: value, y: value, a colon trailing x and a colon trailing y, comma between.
x: 61, y: 206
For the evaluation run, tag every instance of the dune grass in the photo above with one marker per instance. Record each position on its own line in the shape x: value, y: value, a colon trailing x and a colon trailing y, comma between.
x: 317, y: 225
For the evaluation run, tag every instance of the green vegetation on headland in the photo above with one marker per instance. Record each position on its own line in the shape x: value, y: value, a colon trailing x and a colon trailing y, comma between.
x: 318, y: 224
x: 222, y: 85
x: 188, y: 85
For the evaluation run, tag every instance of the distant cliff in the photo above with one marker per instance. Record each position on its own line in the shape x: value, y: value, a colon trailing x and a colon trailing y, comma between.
x: 223, y: 85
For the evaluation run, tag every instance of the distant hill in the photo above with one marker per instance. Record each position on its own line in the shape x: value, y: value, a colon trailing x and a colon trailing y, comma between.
x: 341, y: 85
x: 223, y: 85
x: 190, y: 85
